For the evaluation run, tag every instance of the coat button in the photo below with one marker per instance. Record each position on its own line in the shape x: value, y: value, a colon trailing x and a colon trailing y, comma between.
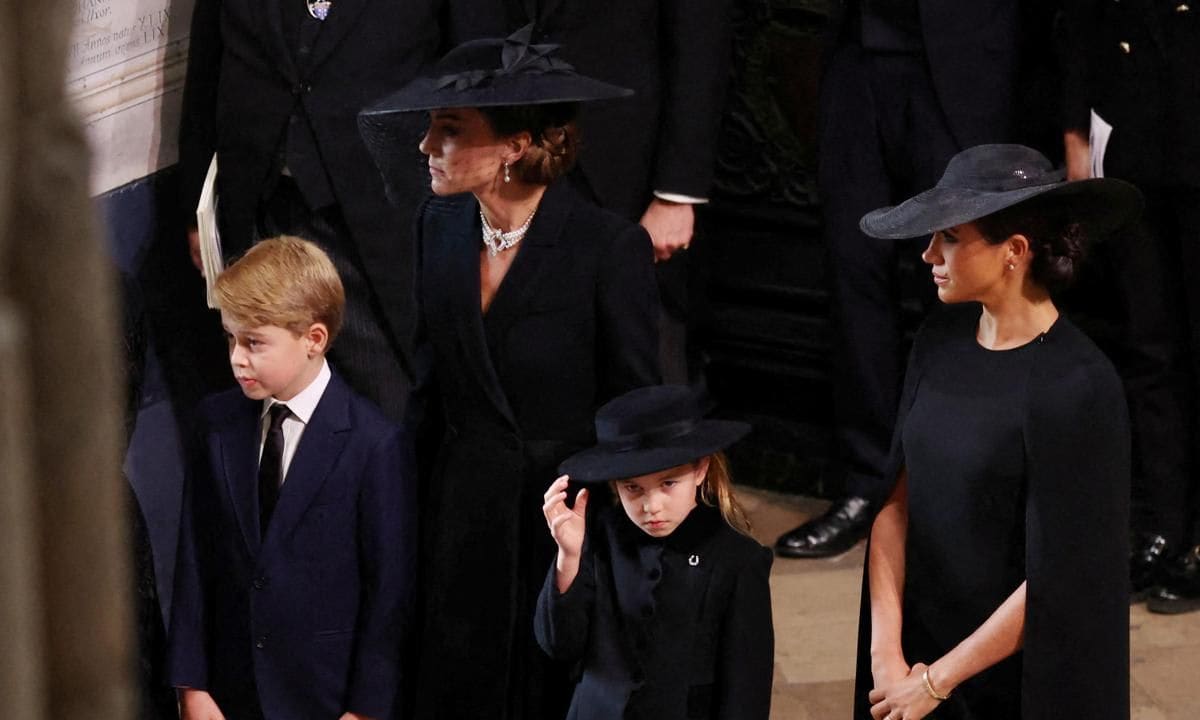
x: 259, y: 583
x: 1125, y: 47
x: 261, y: 642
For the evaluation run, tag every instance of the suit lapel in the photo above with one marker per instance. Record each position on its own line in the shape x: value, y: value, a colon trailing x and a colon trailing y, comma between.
x: 342, y: 16
x: 239, y: 440
x: 461, y: 282
x: 534, y: 261
x: 320, y: 447
x: 271, y: 13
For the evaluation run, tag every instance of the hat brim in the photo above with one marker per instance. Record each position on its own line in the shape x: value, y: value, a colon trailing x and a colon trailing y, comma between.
x: 1101, y: 205
x: 603, y: 463
x: 425, y: 93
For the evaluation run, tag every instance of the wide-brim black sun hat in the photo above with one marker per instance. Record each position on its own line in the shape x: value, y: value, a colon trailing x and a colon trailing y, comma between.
x: 651, y: 429
x: 495, y: 72
x: 481, y: 73
x: 988, y: 178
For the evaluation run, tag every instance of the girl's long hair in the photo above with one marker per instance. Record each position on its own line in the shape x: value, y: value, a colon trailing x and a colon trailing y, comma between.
x: 717, y: 491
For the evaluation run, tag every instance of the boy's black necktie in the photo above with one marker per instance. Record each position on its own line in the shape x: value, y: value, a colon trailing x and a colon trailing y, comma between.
x: 270, y: 467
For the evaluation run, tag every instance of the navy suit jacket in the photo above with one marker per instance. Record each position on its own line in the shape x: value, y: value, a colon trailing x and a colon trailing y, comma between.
x: 310, y: 621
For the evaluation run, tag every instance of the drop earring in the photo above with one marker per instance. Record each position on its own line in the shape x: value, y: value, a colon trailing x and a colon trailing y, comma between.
x: 507, y: 176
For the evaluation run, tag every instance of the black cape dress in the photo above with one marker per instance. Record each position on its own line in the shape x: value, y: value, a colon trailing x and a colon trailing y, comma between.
x: 1018, y: 470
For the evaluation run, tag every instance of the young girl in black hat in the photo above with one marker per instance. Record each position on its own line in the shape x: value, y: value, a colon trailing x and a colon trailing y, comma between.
x: 663, y: 602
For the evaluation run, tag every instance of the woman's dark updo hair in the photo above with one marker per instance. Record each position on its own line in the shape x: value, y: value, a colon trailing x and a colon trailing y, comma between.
x: 555, y: 138
x: 1057, y: 242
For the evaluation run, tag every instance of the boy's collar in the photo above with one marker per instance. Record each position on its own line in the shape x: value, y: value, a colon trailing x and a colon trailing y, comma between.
x: 304, y: 404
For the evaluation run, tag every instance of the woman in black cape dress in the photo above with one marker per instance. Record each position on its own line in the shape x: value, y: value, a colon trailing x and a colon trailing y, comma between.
x: 996, y: 579
x: 509, y: 372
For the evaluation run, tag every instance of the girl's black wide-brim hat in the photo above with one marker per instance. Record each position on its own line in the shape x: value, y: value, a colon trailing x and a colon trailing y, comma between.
x: 988, y: 178
x: 651, y: 429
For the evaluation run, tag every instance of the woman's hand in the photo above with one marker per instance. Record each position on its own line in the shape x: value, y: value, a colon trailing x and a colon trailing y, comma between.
x: 567, y: 527
x: 903, y: 699
x: 888, y: 670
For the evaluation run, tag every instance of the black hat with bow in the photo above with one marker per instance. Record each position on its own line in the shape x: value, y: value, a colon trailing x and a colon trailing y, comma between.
x: 480, y: 73
x: 651, y: 429
x: 493, y: 72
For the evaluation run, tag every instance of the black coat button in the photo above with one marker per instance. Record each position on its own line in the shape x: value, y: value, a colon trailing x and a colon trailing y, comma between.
x: 259, y: 583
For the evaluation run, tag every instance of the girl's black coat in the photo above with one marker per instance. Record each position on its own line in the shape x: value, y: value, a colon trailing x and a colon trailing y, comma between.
x: 672, y: 628
x: 573, y: 324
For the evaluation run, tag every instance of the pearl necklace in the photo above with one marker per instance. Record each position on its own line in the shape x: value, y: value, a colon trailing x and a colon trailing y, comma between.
x: 497, y: 241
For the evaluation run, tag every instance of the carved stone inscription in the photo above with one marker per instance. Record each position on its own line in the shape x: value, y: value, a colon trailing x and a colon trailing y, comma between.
x: 126, y: 66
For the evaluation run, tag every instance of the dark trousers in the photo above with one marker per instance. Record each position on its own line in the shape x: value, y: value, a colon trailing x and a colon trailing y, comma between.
x: 882, y: 138
x: 1136, y: 297
x: 364, y: 352
x: 1180, y: 223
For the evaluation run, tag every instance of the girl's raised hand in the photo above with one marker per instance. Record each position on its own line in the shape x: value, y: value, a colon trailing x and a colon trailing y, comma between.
x: 566, y: 524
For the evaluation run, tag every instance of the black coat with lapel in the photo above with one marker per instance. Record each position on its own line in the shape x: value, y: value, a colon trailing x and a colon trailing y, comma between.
x: 573, y: 324
x: 246, y: 88
x: 309, y: 621
x: 1137, y: 63
x: 678, y: 627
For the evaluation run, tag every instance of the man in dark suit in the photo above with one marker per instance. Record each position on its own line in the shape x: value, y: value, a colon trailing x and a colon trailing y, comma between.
x: 294, y: 578
x: 1136, y: 65
x: 274, y: 89
x: 649, y: 158
x: 908, y: 83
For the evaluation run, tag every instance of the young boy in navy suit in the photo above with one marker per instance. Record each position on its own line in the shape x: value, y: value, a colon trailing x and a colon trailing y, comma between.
x: 295, y: 569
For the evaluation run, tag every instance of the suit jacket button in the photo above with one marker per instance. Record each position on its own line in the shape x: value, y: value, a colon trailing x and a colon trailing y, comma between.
x: 259, y: 583
x: 261, y: 642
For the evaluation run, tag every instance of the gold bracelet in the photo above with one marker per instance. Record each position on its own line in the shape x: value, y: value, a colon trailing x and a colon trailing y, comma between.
x: 929, y: 687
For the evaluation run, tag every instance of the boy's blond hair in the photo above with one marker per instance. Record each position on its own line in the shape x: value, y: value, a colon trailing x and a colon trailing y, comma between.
x: 286, y: 282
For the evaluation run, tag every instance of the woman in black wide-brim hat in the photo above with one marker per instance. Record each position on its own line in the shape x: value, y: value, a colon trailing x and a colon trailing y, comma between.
x: 536, y: 307
x: 996, y: 578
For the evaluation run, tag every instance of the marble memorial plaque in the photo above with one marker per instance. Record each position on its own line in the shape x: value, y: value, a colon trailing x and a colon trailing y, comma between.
x: 126, y: 65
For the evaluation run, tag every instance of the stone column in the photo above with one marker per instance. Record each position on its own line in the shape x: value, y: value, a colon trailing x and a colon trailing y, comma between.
x: 65, y: 629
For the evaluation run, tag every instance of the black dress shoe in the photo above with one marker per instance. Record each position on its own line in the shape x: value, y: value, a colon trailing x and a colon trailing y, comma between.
x: 1147, y: 564
x: 1180, y: 592
x: 833, y: 533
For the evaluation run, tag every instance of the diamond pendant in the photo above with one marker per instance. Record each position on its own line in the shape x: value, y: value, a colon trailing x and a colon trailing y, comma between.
x: 319, y: 9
